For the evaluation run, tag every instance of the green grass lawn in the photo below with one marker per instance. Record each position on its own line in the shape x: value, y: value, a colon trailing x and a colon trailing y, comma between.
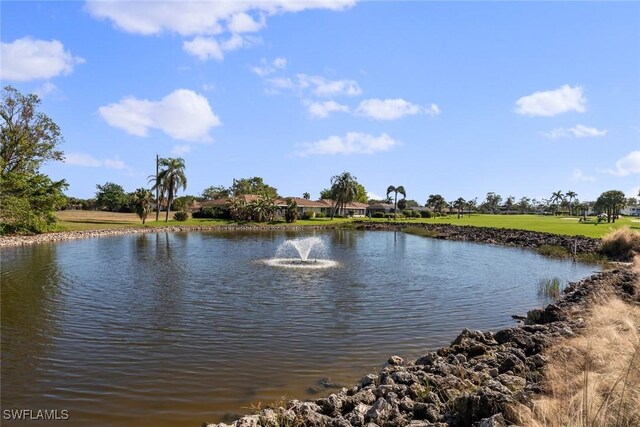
x: 90, y: 220
x: 548, y: 224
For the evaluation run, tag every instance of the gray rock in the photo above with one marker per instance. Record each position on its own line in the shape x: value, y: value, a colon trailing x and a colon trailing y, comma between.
x: 395, y: 360
x: 496, y: 420
x: 379, y: 412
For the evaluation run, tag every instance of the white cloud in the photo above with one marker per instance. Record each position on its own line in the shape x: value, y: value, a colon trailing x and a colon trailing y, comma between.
x: 179, y: 150
x: 206, y: 48
x: 578, y: 131
x: 209, y: 87
x: 265, y: 68
x: 30, y: 59
x: 351, y: 143
x: 244, y: 23
x: 189, y: 18
x: 86, y: 160
x: 552, y: 102
x: 374, y: 196
x: 392, y: 109
x: 578, y: 176
x: 321, y: 110
x: 628, y: 165
x: 316, y: 85
x: 183, y: 115
x: 202, y: 19
x: 634, y: 192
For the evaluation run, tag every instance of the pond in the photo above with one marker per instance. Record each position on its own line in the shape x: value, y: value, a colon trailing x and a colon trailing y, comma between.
x: 175, y: 329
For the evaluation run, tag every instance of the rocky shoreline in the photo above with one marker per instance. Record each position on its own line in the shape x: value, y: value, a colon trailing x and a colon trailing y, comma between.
x: 501, y: 236
x: 483, y: 379
x: 31, y: 239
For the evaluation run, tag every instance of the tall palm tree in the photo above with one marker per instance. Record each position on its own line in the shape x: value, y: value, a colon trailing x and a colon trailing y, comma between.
x: 396, y: 190
x: 171, y: 178
x: 571, y: 195
x: 460, y: 204
x: 556, y: 198
x: 141, y: 201
x: 344, y: 189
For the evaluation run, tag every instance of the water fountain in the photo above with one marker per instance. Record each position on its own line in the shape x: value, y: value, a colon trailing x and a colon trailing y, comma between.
x: 302, y: 247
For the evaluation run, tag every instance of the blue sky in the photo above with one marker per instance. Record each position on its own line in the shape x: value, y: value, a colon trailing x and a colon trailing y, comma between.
x: 460, y: 99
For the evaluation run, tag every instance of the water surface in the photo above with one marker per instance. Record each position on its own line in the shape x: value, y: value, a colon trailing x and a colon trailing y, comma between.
x: 175, y: 329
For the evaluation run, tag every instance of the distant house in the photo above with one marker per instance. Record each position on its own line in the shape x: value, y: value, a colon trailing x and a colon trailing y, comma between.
x: 631, y: 211
x: 324, y: 206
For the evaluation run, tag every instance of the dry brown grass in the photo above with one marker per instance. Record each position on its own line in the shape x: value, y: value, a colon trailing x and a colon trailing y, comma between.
x: 594, y: 379
x: 621, y: 244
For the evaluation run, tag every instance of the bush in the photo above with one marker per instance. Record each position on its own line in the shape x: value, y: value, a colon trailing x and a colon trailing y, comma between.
x: 181, y: 216
x: 308, y: 215
x: 408, y: 213
x: 377, y: 215
x: 621, y: 244
x: 392, y: 216
x: 321, y: 215
x: 208, y: 212
x: 425, y: 214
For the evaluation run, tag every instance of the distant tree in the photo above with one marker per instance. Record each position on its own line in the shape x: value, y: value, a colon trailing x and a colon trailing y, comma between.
x: 28, y: 139
x: 491, y: 203
x: 402, y: 204
x: 344, y: 190
x: 325, y: 194
x: 291, y: 211
x: 459, y: 205
x: 141, y: 202
x: 436, y: 203
x: 171, y: 178
x: 472, y: 205
x: 111, y: 196
x: 182, y: 203
x: 215, y: 192
x: 361, y: 194
x: 306, y: 195
x: 411, y: 203
x: 399, y: 189
x: 632, y: 201
x: 263, y: 209
x: 255, y: 185
x: 238, y: 208
x: 556, y: 200
x: 571, y: 195
x: 611, y: 202
x: 509, y: 203
x: 524, y: 205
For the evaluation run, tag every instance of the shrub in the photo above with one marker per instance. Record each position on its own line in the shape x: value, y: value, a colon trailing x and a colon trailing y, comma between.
x: 209, y: 212
x: 321, y: 215
x: 553, y: 251
x: 408, y: 213
x: 392, y: 216
x: 181, y: 216
x: 425, y: 214
x: 621, y: 244
x: 377, y: 215
x: 308, y: 215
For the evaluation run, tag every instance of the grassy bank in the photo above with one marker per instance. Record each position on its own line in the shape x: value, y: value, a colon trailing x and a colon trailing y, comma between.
x: 94, y: 220
x: 89, y: 220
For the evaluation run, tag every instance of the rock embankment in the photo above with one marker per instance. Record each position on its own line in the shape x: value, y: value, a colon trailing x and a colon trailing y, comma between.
x: 483, y: 379
x: 502, y: 236
x: 19, y: 240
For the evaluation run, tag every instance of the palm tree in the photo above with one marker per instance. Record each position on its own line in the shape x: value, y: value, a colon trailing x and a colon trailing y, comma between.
x: 306, y: 195
x: 460, y: 204
x: 237, y: 208
x: 571, y: 195
x: 556, y: 198
x: 141, y: 201
x: 396, y: 190
x: 344, y: 189
x: 171, y: 178
x: 436, y: 202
